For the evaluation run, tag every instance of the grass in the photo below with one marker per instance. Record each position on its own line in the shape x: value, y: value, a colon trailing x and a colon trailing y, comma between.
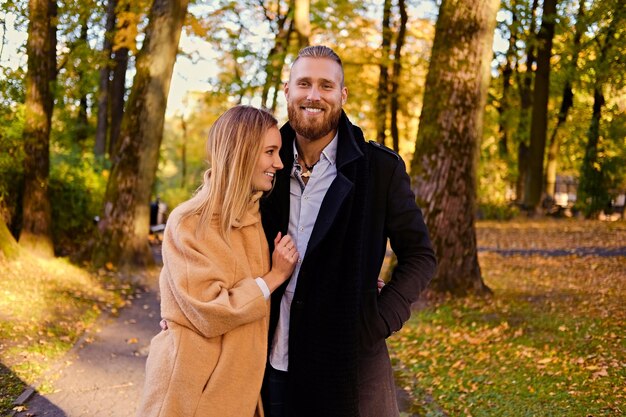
x: 551, y: 341
x: 45, y: 306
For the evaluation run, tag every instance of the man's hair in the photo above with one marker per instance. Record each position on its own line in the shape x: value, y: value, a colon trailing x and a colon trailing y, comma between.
x: 233, y: 148
x: 319, y: 51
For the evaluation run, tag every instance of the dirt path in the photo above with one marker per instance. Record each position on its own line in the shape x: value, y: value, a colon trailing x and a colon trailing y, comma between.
x: 102, y: 375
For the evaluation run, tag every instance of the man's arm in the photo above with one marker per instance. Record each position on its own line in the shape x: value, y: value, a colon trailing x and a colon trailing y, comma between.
x: 410, y: 242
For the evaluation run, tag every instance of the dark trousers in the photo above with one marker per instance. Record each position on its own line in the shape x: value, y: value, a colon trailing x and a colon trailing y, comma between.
x: 274, y: 392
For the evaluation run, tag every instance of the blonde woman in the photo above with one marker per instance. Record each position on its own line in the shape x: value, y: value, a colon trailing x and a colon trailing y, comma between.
x: 217, y: 279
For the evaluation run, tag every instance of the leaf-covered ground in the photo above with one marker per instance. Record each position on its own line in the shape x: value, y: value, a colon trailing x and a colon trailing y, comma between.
x: 550, y: 342
x: 45, y: 305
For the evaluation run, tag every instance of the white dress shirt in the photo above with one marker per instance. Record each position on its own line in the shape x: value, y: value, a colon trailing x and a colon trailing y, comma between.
x: 304, y: 205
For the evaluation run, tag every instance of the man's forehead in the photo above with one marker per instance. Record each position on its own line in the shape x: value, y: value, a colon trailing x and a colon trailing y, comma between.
x: 307, y: 67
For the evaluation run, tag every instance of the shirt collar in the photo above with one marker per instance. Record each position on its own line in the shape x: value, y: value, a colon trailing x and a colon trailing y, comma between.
x: 329, y: 152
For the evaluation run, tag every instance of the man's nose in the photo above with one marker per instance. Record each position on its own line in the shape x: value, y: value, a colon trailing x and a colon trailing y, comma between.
x: 314, y: 94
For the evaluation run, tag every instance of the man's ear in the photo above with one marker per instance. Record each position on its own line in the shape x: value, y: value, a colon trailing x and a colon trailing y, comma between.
x: 286, y: 89
x: 344, y: 95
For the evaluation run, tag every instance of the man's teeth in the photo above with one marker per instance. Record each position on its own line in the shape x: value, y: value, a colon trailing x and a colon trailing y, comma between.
x: 313, y: 110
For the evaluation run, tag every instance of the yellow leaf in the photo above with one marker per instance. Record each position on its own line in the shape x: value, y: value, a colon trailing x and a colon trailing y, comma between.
x: 132, y: 340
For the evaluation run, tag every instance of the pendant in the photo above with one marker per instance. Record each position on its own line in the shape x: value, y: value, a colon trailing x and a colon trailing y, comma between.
x: 306, y: 174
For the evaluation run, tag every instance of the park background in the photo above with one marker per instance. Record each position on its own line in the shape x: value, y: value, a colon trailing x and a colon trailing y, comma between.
x: 510, y: 116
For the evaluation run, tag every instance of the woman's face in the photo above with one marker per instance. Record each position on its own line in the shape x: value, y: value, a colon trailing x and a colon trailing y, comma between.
x: 269, y: 161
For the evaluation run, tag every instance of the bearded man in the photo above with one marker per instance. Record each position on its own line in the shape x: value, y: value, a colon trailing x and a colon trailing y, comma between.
x: 341, y: 199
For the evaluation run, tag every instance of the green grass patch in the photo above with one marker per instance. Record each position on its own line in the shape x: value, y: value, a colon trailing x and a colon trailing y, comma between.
x: 551, y: 341
x: 45, y: 306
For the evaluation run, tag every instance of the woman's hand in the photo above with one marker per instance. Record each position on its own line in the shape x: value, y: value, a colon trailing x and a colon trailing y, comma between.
x: 284, y: 259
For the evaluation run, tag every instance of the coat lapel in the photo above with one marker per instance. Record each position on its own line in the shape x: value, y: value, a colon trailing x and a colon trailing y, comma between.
x: 347, y: 152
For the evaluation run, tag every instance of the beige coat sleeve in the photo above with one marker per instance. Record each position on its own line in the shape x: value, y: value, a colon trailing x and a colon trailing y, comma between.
x: 201, y: 285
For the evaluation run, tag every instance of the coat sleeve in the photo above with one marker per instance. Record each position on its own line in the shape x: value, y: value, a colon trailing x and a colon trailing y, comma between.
x: 198, y: 288
x: 409, y: 240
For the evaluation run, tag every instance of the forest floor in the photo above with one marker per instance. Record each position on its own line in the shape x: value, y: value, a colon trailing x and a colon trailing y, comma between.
x: 551, y: 341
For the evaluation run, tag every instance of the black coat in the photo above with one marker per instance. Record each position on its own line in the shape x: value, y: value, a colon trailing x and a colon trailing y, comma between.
x: 338, y: 360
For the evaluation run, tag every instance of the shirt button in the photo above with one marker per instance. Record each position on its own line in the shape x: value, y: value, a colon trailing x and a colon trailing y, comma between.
x: 301, y: 228
x: 306, y: 198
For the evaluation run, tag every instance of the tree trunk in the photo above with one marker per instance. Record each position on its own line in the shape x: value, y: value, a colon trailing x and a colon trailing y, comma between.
x: 524, y: 81
x: 302, y: 22
x: 276, y: 56
x: 82, y: 122
x: 504, y: 107
x: 117, y: 94
x: 592, y: 192
x: 183, y: 153
x: 105, y: 76
x: 567, y: 102
x: 539, y: 120
x: 125, y: 220
x: 41, y: 49
x: 446, y: 155
x: 395, y: 76
x: 9, y: 249
x: 383, y: 79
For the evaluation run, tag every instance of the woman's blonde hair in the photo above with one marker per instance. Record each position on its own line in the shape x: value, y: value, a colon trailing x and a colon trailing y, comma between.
x: 233, y: 148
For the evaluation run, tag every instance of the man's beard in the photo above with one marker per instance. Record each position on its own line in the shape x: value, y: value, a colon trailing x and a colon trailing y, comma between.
x: 313, y: 129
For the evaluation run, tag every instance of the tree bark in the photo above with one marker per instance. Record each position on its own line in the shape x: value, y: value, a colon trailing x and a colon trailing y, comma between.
x: 183, y: 153
x: 36, y: 235
x: 445, y: 160
x: 567, y: 101
x: 507, y: 72
x: 117, y: 86
x: 102, y: 126
x: 383, y: 79
x: 9, y: 249
x: 395, y: 77
x: 276, y: 58
x: 592, y: 192
x: 302, y: 22
x: 82, y: 121
x: 525, y: 81
x: 125, y: 220
x: 117, y: 94
x: 539, y: 119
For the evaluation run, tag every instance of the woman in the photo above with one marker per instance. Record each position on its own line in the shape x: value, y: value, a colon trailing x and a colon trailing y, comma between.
x: 216, y: 279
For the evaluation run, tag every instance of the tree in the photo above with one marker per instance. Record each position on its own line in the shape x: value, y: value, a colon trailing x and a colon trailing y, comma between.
x: 124, y: 41
x: 539, y: 118
x: 41, y: 49
x: 282, y: 25
x: 9, y: 248
x: 524, y: 83
x: 383, y: 79
x: 445, y: 159
x: 105, y: 75
x: 302, y: 22
x: 125, y: 220
x: 567, y: 101
x: 592, y: 192
x: 395, y: 77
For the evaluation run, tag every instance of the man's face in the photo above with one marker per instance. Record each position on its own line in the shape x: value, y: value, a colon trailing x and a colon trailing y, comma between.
x: 315, y: 95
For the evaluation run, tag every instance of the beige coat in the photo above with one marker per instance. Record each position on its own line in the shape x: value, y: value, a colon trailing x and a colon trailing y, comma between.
x: 211, y: 360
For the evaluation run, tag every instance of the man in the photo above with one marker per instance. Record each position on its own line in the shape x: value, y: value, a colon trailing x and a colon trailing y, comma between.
x: 340, y: 198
